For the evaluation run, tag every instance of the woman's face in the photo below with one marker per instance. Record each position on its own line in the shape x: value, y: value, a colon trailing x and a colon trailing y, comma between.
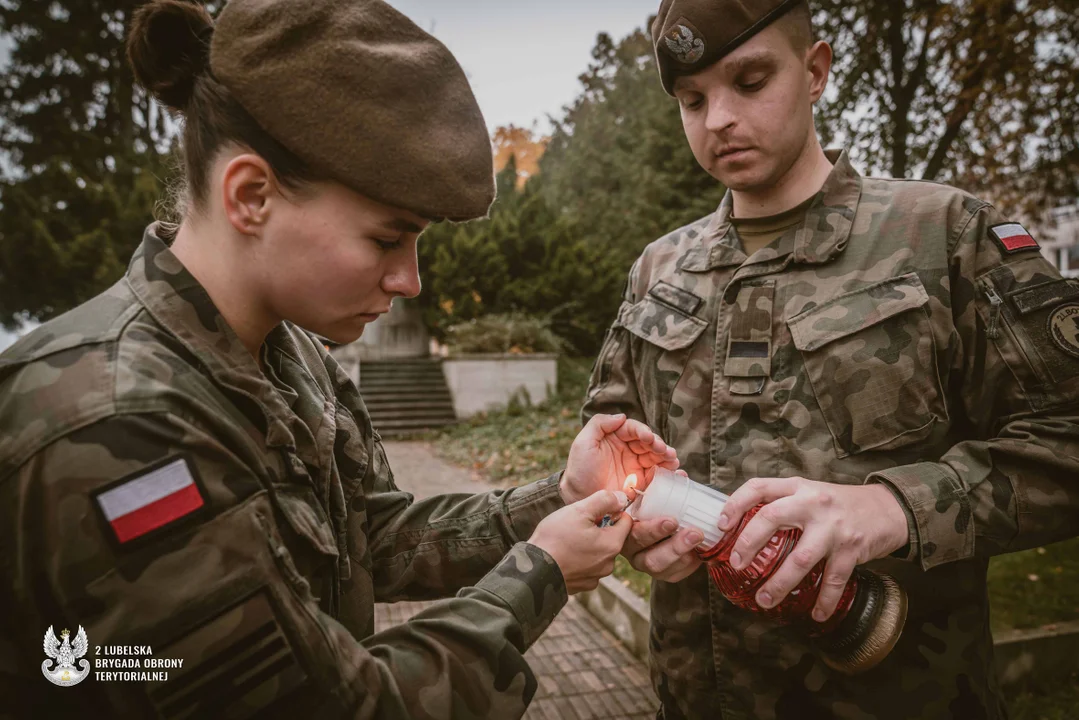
x: 331, y: 260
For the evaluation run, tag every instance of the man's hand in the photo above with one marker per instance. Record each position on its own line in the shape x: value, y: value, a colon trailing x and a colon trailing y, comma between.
x: 609, y: 448
x: 847, y: 524
x: 653, y: 547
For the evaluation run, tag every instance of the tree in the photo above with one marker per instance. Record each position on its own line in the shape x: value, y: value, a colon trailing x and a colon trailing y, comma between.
x: 87, y: 149
x: 523, y: 147
x: 618, y: 165
x: 982, y: 94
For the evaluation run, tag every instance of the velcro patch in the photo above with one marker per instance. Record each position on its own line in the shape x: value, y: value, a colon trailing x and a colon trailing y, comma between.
x: 150, y: 500
x: 1013, y: 237
x: 743, y: 349
x: 676, y: 297
x: 234, y: 665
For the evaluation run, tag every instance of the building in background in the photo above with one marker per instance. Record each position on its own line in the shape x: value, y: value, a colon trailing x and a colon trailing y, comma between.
x: 1060, y: 245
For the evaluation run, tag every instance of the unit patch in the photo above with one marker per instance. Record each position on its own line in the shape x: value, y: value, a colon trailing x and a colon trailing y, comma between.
x: 1064, y: 328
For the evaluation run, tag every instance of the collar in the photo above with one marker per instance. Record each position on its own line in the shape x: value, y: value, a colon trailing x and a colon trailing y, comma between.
x: 183, y: 308
x: 822, y: 237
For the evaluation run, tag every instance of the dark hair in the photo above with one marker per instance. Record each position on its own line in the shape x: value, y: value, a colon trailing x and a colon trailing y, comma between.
x: 797, y: 25
x: 168, y: 47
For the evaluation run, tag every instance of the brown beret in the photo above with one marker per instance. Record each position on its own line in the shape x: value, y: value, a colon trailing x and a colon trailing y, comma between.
x: 358, y: 91
x: 690, y: 35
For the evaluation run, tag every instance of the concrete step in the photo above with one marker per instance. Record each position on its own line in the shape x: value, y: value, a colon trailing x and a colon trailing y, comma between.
x: 406, y: 395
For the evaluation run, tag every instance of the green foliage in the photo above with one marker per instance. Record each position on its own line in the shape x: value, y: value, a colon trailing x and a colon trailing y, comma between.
x: 504, y: 333
x: 617, y: 175
x: 85, y: 151
x: 1035, y: 588
x: 525, y: 443
x: 524, y: 259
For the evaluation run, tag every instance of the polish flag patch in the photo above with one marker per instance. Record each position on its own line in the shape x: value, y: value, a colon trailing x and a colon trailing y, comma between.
x: 1013, y: 237
x: 151, y: 500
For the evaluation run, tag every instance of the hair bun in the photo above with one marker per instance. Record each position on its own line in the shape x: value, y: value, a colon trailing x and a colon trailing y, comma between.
x: 168, y: 47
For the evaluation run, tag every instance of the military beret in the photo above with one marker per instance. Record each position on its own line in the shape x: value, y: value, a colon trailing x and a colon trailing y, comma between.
x: 690, y: 35
x: 362, y: 94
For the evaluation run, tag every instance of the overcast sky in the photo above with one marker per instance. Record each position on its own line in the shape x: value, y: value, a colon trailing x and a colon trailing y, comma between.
x: 523, y: 58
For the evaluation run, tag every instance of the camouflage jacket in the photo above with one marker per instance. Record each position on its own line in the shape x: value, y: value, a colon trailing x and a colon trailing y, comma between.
x: 275, y: 525
x: 899, y: 336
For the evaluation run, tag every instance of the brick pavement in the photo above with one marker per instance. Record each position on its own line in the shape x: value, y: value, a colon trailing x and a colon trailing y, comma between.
x: 583, y: 670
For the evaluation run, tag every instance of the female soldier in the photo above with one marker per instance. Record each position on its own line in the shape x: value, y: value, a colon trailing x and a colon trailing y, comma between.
x: 185, y: 472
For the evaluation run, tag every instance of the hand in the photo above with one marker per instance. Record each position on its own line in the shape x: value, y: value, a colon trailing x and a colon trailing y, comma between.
x: 609, y: 448
x: 583, y: 550
x: 653, y: 547
x: 847, y: 524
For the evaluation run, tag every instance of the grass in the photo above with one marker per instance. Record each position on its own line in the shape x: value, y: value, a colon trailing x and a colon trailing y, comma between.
x: 1035, y: 588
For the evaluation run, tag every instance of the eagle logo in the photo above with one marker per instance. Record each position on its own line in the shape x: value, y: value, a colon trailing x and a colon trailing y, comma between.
x: 64, y: 656
x: 686, y: 47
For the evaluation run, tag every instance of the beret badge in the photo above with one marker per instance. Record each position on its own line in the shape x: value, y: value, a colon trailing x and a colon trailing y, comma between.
x: 684, y: 44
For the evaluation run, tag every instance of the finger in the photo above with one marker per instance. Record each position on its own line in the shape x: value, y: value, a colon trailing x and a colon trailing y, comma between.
x: 661, y: 557
x: 752, y: 493
x: 682, y: 569
x: 647, y: 533
x: 601, y: 425
x: 683, y: 473
x: 636, y: 430
x: 836, y: 574
x: 604, y: 502
x: 616, y: 533
x: 810, y: 550
x: 783, y: 513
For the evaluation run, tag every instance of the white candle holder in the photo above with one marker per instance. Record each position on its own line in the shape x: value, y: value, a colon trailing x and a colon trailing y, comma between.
x: 690, y: 503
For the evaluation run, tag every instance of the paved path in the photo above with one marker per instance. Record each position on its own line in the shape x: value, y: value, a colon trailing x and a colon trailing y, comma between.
x: 583, y: 670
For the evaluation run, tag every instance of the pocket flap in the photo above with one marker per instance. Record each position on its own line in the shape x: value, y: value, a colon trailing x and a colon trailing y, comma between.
x: 854, y: 311
x: 660, y: 324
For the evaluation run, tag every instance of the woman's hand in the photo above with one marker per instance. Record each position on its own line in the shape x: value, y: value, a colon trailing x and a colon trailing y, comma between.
x: 607, y: 450
x: 584, y: 551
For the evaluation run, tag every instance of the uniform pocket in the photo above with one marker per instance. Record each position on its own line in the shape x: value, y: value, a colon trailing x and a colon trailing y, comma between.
x: 668, y: 335
x: 871, y: 359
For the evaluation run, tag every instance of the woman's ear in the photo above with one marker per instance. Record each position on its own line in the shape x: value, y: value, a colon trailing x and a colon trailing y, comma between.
x: 818, y: 67
x: 248, y: 186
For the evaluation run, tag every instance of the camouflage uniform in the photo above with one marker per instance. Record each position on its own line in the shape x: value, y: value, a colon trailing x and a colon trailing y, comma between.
x: 889, y: 339
x: 267, y: 590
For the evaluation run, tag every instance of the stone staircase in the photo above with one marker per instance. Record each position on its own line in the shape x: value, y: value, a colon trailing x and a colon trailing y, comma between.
x: 405, y: 396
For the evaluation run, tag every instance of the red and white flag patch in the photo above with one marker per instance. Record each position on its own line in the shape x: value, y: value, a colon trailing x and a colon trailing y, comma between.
x: 138, y: 505
x: 1013, y: 237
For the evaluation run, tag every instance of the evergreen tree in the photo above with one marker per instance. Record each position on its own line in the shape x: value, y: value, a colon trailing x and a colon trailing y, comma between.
x: 86, y: 150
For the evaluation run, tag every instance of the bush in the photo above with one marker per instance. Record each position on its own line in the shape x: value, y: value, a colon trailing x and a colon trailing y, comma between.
x: 504, y: 333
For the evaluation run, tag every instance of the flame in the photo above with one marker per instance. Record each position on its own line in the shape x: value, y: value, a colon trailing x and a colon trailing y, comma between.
x: 629, y: 487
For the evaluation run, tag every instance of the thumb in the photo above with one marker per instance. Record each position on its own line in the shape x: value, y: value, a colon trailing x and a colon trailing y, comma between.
x: 604, y: 502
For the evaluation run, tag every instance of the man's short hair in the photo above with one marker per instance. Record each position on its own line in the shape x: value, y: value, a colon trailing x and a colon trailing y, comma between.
x: 797, y: 25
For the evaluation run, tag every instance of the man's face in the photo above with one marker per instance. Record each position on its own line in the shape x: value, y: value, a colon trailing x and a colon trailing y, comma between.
x: 748, y: 117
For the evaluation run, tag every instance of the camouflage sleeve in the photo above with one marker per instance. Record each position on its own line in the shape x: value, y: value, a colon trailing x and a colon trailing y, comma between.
x: 430, y: 548
x: 612, y: 388
x: 217, y: 576
x: 1015, y: 346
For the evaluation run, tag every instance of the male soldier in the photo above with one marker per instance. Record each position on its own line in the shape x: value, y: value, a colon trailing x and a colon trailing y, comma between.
x: 187, y: 476
x: 891, y: 365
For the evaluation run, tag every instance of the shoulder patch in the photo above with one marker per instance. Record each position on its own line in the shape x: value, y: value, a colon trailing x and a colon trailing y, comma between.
x: 150, y: 501
x: 1013, y: 237
x: 1064, y: 328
